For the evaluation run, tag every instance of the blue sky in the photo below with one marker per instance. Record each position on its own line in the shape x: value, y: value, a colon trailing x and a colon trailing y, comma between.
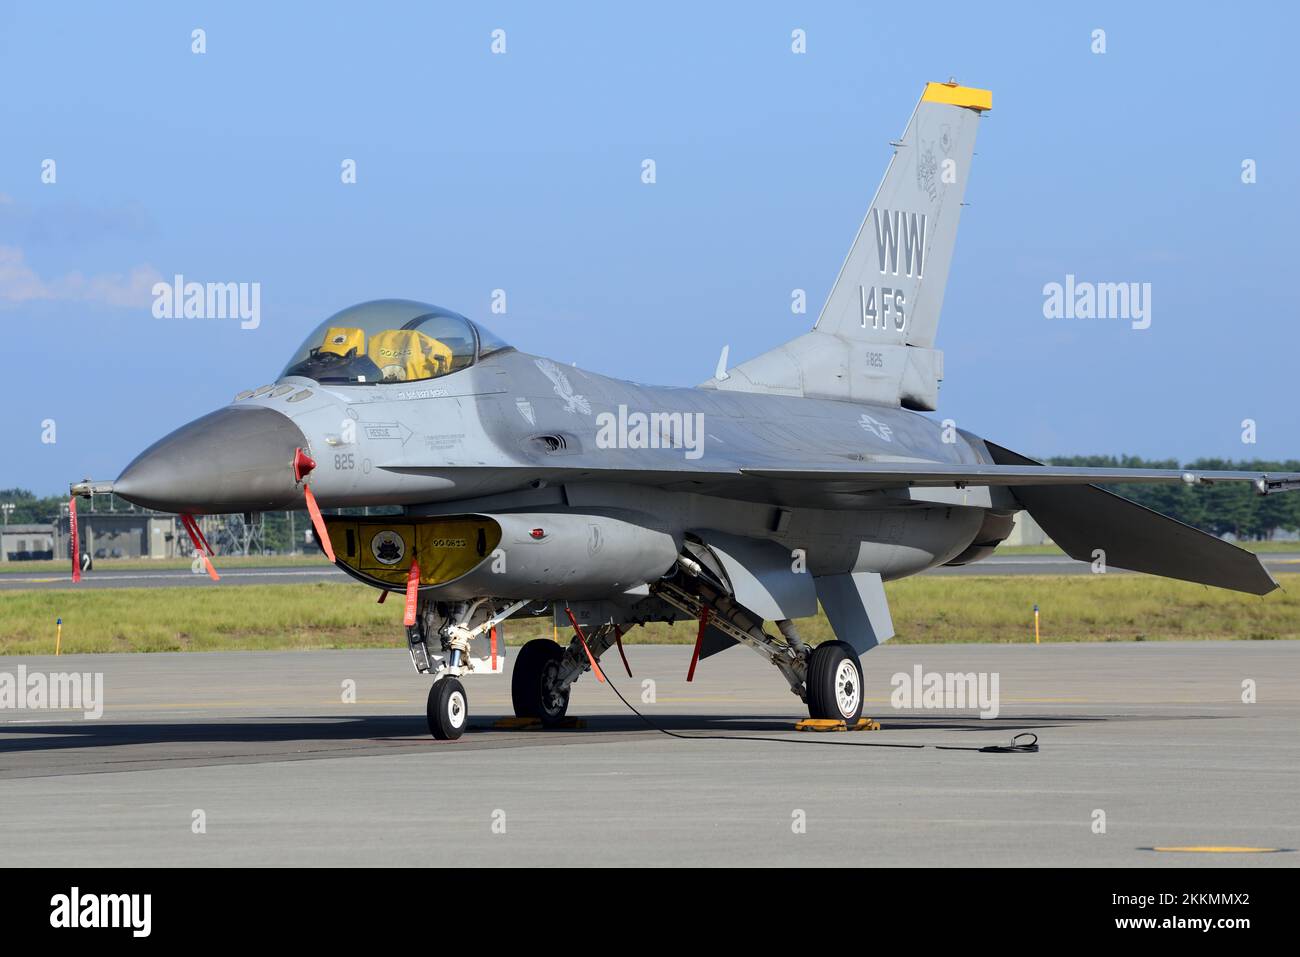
x: 522, y: 172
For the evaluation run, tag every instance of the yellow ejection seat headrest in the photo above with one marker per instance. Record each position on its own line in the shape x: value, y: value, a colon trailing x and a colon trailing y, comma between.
x: 340, y: 340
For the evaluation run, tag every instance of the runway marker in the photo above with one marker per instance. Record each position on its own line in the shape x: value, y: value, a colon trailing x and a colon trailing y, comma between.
x: 1218, y: 849
x: 58, y: 636
x: 1035, y: 624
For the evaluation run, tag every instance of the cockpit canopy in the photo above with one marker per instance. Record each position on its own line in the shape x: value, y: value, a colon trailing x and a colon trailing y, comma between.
x: 390, y: 340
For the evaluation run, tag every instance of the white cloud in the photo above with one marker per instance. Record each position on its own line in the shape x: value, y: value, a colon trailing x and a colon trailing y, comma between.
x: 19, y: 282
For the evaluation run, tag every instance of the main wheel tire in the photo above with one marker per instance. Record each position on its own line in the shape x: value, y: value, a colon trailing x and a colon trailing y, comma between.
x: 448, y: 709
x: 834, y: 685
x: 532, y: 682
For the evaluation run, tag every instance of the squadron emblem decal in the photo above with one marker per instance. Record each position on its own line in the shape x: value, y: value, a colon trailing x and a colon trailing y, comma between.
x: 387, y: 547
x: 927, y: 168
x: 572, y: 401
x: 876, y: 427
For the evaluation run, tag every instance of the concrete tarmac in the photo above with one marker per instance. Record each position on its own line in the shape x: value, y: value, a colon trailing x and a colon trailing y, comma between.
x: 1152, y: 738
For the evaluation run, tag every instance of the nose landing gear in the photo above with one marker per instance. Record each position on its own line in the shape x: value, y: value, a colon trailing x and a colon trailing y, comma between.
x: 470, y: 641
x: 448, y: 709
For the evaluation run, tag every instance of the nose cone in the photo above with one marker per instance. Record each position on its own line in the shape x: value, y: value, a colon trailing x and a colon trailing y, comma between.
x: 231, y: 460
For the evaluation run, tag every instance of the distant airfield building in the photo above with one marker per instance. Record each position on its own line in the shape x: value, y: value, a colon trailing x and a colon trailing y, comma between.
x: 28, y: 542
x: 1027, y: 532
x: 137, y: 534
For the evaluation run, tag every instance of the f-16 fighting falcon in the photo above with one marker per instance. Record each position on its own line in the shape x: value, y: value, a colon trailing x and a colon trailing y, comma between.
x: 527, y: 487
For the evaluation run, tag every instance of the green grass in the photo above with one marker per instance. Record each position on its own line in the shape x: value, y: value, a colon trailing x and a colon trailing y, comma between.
x: 925, y: 609
x: 1084, y: 608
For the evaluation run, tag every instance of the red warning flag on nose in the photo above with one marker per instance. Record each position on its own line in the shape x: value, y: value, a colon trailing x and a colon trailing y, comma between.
x: 74, y: 544
x: 199, y: 542
x: 318, y: 523
x: 412, y: 592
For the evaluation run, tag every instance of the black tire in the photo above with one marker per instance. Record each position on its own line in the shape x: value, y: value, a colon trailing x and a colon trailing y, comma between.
x: 535, y: 664
x: 448, y: 709
x: 834, y: 690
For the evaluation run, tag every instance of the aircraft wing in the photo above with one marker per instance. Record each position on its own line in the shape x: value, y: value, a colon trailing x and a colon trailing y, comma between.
x: 921, y: 474
x: 867, y: 476
x: 1087, y: 521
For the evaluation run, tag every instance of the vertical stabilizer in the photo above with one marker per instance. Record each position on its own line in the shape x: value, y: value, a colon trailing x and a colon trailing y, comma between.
x: 874, y: 340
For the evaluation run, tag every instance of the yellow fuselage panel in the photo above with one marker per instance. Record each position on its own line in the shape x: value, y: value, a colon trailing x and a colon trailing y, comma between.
x: 445, y: 548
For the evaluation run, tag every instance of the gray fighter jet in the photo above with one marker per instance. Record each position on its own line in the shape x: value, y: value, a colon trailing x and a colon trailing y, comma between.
x: 804, y: 475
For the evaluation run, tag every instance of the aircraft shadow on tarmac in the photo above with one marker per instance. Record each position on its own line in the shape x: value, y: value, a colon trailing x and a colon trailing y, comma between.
x: 403, y: 729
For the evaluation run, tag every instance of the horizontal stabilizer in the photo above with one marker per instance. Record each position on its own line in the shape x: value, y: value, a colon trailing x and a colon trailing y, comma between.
x: 1084, y: 518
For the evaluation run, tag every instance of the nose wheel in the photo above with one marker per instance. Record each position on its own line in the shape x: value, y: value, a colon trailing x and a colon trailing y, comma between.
x: 448, y: 709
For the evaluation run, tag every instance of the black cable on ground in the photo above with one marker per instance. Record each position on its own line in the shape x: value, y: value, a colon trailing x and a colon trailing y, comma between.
x: 1029, y: 747
x: 1012, y: 748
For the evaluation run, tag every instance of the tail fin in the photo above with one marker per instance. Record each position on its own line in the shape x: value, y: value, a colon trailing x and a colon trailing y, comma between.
x: 874, y: 339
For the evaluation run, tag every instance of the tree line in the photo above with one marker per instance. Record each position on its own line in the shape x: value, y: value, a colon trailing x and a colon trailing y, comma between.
x: 1234, y: 508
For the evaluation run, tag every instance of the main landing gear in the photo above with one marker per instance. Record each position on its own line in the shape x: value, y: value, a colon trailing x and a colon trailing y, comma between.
x: 535, y: 687
x: 828, y: 678
x: 834, y: 684
x: 545, y: 672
